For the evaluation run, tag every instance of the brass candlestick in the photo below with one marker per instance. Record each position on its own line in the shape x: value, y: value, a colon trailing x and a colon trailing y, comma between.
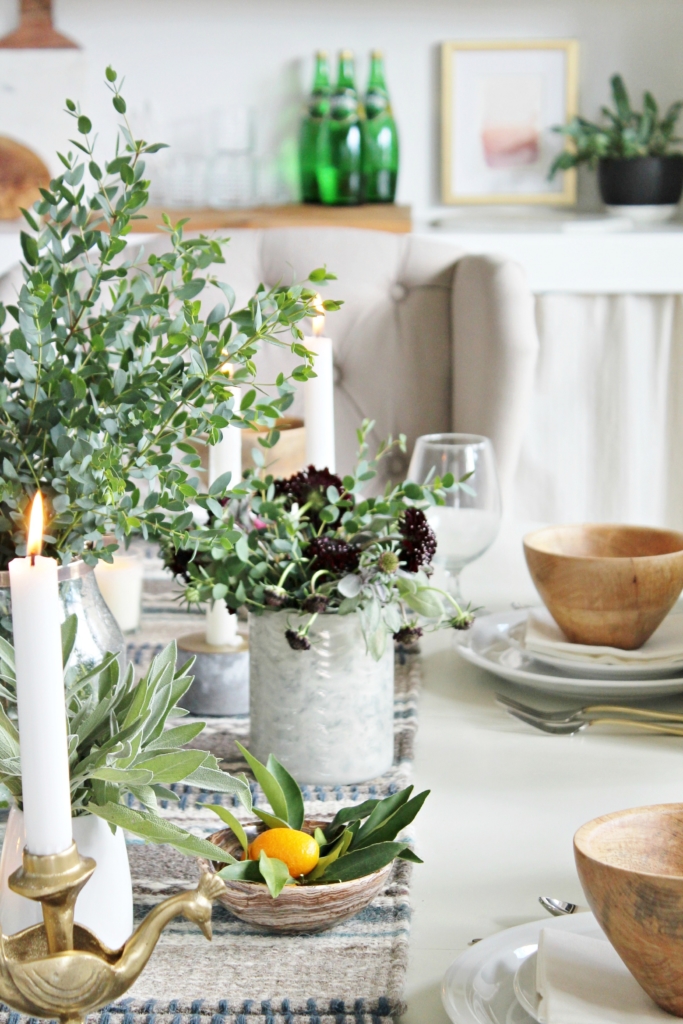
x: 60, y: 969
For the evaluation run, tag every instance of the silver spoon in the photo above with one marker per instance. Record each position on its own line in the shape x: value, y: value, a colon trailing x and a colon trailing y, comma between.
x: 559, y: 908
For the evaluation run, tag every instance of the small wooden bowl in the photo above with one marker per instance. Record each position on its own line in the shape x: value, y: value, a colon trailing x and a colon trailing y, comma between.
x: 606, y: 585
x: 299, y: 909
x: 631, y: 868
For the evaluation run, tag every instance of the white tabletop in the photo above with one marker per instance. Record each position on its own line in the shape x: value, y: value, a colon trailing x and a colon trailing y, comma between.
x: 497, y: 830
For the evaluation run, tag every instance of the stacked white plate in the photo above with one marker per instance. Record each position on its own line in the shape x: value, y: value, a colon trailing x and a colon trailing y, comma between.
x: 494, y: 982
x: 498, y: 644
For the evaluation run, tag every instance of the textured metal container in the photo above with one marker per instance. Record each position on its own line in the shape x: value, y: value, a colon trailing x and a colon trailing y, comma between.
x: 221, y: 677
x: 328, y: 713
x: 79, y: 594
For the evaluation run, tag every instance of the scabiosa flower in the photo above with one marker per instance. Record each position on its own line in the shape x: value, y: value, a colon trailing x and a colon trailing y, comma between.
x: 178, y: 561
x: 297, y: 641
x: 418, y: 546
x: 408, y: 635
x: 309, y: 487
x: 388, y: 561
x: 274, y: 597
x: 332, y: 554
x: 463, y: 620
x: 315, y: 604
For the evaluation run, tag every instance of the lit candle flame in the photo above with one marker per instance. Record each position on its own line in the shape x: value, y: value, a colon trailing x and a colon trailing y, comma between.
x: 34, y: 543
x: 318, y: 322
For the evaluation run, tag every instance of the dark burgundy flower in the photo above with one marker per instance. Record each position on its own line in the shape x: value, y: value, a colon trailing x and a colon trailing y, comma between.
x: 418, y: 546
x: 297, y: 641
x: 309, y: 487
x: 274, y: 597
x: 315, y: 604
x: 408, y: 635
x: 332, y: 554
x: 178, y: 561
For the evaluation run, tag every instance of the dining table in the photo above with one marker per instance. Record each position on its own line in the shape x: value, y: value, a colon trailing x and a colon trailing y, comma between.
x: 496, y: 832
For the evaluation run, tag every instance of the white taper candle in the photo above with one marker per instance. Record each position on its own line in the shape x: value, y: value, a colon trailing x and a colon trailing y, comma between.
x: 36, y: 624
x: 224, y: 457
x: 319, y: 400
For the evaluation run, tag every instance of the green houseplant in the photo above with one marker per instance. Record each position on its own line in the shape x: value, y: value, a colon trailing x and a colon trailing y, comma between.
x: 329, y: 577
x: 111, y: 363
x: 634, y: 152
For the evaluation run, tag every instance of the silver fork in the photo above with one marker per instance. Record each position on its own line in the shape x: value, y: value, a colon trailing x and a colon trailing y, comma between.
x: 571, y: 726
x: 586, y: 713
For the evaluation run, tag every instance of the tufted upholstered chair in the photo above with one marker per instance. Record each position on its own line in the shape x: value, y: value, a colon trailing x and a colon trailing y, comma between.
x: 428, y: 339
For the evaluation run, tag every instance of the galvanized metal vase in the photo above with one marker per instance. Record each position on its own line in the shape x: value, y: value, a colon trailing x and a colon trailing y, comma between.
x: 97, y: 631
x: 327, y: 713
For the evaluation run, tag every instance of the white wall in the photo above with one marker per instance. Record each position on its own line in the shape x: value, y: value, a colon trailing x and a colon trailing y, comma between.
x: 182, y: 57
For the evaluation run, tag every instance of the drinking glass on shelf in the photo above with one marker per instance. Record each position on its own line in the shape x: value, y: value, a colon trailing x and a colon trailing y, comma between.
x: 468, y: 523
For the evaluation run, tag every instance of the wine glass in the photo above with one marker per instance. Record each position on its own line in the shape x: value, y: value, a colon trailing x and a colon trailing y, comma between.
x: 468, y: 523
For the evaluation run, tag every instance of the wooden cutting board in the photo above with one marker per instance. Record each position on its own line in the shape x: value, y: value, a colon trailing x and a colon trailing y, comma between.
x: 22, y: 173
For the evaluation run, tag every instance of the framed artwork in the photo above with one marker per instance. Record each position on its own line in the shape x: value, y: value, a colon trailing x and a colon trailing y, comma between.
x: 500, y: 100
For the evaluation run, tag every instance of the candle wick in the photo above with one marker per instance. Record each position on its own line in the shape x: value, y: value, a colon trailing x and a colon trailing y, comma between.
x: 33, y: 559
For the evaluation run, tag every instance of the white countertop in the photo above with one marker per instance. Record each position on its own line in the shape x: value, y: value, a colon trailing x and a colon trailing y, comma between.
x: 579, y: 254
x: 497, y: 830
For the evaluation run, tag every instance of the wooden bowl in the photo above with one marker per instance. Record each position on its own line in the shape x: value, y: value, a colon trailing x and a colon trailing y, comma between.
x: 606, y: 585
x: 631, y: 868
x: 299, y: 908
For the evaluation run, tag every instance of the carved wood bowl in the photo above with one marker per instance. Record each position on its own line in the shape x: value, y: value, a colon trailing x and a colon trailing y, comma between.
x: 631, y: 868
x: 299, y: 909
x: 606, y: 585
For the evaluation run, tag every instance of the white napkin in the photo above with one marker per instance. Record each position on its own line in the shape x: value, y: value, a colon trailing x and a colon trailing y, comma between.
x: 582, y: 980
x: 665, y: 646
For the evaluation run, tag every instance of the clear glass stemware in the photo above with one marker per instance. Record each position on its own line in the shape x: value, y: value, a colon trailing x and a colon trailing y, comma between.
x: 468, y: 523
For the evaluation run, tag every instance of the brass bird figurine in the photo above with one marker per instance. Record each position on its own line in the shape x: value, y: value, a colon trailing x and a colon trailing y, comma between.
x: 74, y: 982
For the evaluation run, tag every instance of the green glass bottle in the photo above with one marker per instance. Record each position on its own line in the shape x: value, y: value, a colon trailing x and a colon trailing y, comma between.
x: 380, y: 138
x: 318, y: 109
x: 340, y: 142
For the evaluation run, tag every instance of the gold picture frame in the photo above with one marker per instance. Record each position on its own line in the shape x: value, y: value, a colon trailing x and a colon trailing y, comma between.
x: 485, y: 189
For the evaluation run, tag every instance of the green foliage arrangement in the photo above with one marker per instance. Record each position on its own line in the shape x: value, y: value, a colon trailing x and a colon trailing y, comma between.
x: 361, y: 839
x: 623, y: 134
x: 120, y: 746
x: 313, y: 544
x: 108, y: 366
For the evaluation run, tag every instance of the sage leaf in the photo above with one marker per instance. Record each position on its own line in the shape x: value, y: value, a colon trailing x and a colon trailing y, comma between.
x: 350, y: 585
x: 425, y: 602
x: 173, y: 767
x: 157, y: 830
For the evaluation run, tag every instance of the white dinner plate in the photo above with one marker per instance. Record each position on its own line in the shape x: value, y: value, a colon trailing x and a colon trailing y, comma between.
x: 489, y: 645
x: 524, y: 987
x: 596, y: 669
x: 479, y: 987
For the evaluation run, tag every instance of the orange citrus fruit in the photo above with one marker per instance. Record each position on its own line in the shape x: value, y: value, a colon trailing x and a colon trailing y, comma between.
x: 298, y: 850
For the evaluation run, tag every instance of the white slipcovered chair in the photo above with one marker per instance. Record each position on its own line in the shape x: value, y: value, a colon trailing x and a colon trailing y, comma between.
x: 428, y: 339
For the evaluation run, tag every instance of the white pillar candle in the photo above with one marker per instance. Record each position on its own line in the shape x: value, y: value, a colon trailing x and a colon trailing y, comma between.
x: 224, y: 457
x: 319, y: 401
x: 36, y: 624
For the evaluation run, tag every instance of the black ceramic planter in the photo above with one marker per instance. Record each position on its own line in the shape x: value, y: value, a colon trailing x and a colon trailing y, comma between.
x: 641, y: 181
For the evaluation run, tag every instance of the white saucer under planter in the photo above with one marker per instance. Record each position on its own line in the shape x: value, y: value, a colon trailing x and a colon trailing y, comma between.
x: 645, y: 214
x: 105, y: 905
